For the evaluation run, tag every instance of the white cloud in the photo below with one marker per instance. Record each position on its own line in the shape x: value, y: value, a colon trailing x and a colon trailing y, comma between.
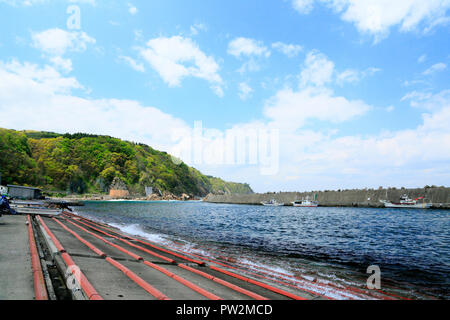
x: 354, y: 76
x: 57, y: 41
x: 132, y: 9
x: 63, y: 64
x: 196, y: 28
x: 427, y: 100
x: 291, y: 50
x: 133, y: 63
x: 319, y: 159
x: 291, y: 109
x: 348, y: 76
x: 28, y: 3
x: 177, y: 57
x: 38, y: 98
x: 49, y: 79
x: 247, y: 47
x: 435, y: 68
x: 244, y: 91
x: 250, y: 49
x: 303, y: 6
x: 318, y: 69
x: 377, y: 17
x: 422, y: 58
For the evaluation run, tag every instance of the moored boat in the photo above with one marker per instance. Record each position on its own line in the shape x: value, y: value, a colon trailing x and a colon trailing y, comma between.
x: 272, y: 203
x: 305, y: 203
x: 407, y: 203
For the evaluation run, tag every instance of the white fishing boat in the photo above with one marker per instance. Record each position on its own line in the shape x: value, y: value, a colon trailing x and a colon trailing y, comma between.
x: 306, y: 203
x: 272, y: 203
x: 407, y: 203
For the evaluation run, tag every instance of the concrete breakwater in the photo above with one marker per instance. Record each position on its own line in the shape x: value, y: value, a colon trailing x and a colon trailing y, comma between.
x: 439, y: 196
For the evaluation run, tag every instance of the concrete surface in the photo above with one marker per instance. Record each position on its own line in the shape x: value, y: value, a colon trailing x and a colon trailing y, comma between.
x: 16, y: 281
x: 16, y: 278
x: 111, y: 283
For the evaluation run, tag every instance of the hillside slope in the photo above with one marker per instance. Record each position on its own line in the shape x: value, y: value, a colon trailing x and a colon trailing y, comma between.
x: 82, y: 163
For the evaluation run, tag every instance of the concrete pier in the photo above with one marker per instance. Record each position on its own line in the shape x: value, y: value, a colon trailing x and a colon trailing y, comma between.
x: 112, y: 283
x: 108, y: 264
x: 16, y: 278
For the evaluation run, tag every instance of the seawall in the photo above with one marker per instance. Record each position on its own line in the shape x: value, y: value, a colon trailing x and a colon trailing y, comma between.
x: 439, y: 196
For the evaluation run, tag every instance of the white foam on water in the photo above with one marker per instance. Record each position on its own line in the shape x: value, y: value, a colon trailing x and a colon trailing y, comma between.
x: 320, y: 286
x: 191, y: 248
x: 136, y: 230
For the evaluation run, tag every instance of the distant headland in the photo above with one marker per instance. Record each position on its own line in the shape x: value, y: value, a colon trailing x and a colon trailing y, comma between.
x: 81, y: 164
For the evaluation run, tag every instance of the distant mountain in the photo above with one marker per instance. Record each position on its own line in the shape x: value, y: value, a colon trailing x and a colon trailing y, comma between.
x: 84, y: 163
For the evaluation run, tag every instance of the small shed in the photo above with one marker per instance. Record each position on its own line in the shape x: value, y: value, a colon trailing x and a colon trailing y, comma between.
x: 148, y: 191
x: 25, y: 193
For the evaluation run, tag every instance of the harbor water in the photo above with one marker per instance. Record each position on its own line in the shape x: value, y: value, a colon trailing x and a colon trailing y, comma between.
x: 411, y: 247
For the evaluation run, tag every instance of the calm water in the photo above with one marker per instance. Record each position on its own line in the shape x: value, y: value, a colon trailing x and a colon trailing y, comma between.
x: 410, y: 246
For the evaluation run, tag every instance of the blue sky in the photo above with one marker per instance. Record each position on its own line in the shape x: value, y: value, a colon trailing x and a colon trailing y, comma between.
x: 358, y: 91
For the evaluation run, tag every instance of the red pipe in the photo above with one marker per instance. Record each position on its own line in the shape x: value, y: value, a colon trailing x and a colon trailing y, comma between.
x: 185, y: 282
x: 142, y: 283
x: 88, y: 244
x: 278, y: 281
x: 388, y: 296
x: 224, y: 283
x: 377, y: 294
x: 148, y: 244
x: 220, y: 281
x: 88, y: 289
x: 148, y: 251
x: 290, y: 278
x: 177, y: 278
x: 260, y: 284
x: 345, y: 294
x: 127, y: 242
x: 40, y: 290
x: 55, y: 241
x: 135, y: 256
x: 147, y: 287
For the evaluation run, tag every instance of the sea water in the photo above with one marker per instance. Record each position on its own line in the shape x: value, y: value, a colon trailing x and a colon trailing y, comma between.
x: 411, y: 247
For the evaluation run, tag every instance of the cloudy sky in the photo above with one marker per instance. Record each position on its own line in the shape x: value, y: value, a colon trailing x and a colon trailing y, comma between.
x: 358, y: 91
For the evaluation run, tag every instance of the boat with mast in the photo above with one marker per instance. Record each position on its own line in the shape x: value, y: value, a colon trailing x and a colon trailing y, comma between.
x: 407, y: 203
x: 306, y: 202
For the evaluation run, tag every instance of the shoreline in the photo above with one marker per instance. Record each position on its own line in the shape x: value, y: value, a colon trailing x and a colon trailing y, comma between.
x: 119, y: 269
x: 314, y: 273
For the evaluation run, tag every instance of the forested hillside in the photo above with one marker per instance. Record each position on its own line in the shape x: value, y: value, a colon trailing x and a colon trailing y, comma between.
x: 82, y: 163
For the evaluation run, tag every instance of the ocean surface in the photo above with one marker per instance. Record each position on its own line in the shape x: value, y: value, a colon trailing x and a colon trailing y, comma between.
x: 411, y: 247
